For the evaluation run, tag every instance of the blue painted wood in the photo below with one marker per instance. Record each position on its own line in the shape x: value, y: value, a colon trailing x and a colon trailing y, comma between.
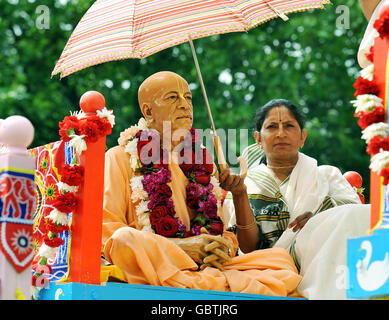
x: 358, y: 288
x: 124, y: 291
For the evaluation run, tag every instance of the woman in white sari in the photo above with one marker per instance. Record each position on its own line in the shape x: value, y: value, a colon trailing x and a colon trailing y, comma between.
x: 307, y: 209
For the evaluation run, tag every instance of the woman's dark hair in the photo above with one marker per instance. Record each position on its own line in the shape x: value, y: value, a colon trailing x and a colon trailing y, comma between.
x: 264, y: 110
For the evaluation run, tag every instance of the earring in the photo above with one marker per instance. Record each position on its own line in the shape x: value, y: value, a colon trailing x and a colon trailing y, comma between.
x: 149, y: 121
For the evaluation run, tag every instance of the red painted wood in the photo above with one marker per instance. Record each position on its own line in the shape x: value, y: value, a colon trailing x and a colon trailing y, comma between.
x: 381, y: 47
x: 86, y: 227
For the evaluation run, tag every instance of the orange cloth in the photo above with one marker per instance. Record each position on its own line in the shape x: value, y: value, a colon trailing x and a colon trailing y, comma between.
x: 148, y: 258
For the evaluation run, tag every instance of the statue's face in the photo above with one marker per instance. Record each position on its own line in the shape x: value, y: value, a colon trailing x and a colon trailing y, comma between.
x: 169, y: 103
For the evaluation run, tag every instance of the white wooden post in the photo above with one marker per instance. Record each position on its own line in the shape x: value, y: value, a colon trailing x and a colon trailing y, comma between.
x: 17, y: 206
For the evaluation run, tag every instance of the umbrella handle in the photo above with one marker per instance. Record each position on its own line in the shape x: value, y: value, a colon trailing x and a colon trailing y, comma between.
x: 201, y: 82
x: 243, y: 167
x: 222, y: 161
x: 219, y: 153
x: 216, y: 140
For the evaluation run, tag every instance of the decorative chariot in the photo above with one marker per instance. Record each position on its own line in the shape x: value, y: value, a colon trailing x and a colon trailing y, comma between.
x: 52, y: 197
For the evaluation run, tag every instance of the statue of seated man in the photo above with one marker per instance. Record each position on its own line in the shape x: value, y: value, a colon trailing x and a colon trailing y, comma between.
x: 162, y: 220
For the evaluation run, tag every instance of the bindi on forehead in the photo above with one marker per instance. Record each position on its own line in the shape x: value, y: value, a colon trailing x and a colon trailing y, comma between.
x: 280, y: 114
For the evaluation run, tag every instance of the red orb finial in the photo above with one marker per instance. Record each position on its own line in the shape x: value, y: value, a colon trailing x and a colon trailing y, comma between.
x: 91, y: 101
x: 353, y: 178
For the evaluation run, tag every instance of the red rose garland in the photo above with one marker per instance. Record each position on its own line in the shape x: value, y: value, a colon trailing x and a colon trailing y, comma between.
x: 196, y: 164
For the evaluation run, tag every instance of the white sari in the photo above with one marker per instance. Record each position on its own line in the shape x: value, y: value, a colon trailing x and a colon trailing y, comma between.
x: 321, y: 245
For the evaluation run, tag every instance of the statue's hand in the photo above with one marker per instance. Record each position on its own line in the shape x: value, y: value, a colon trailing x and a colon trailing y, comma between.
x: 206, y: 249
x: 193, y: 247
x: 218, y: 251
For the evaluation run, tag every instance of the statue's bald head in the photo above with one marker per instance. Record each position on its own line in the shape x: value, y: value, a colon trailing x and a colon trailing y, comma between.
x: 154, y: 86
x: 165, y: 96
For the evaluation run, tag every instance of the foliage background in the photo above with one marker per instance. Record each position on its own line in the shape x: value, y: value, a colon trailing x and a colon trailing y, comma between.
x: 311, y: 60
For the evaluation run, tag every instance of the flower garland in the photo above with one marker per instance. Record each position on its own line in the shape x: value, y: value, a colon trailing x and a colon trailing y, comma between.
x: 151, y: 193
x: 370, y: 109
x: 78, y: 129
x: 382, y: 24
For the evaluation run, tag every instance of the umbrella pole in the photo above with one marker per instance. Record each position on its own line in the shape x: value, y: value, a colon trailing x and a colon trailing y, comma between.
x: 216, y: 140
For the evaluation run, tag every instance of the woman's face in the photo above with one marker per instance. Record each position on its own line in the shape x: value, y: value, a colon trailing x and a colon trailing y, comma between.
x: 281, y: 136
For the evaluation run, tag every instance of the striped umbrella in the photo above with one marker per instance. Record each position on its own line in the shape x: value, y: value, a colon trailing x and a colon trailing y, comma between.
x: 121, y: 29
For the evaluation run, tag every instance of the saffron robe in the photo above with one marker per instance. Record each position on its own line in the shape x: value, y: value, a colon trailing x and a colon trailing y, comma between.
x: 148, y: 258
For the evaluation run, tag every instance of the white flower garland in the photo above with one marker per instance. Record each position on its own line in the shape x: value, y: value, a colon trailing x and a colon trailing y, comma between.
x: 58, y: 217
x: 367, y: 103
x: 379, y: 161
x: 380, y: 129
x: 106, y: 114
x: 368, y: 72
x: 47, y: 251
x: 78, y: 143
x: 66, y: 188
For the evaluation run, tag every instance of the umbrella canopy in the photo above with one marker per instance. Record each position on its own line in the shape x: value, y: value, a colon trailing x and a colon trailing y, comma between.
x: 121, y: 29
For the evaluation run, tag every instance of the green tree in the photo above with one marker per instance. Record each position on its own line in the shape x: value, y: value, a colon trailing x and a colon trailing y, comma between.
x: 311, y: 60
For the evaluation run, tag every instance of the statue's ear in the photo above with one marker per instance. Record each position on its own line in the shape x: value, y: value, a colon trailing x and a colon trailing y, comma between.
x: 146, y: 111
